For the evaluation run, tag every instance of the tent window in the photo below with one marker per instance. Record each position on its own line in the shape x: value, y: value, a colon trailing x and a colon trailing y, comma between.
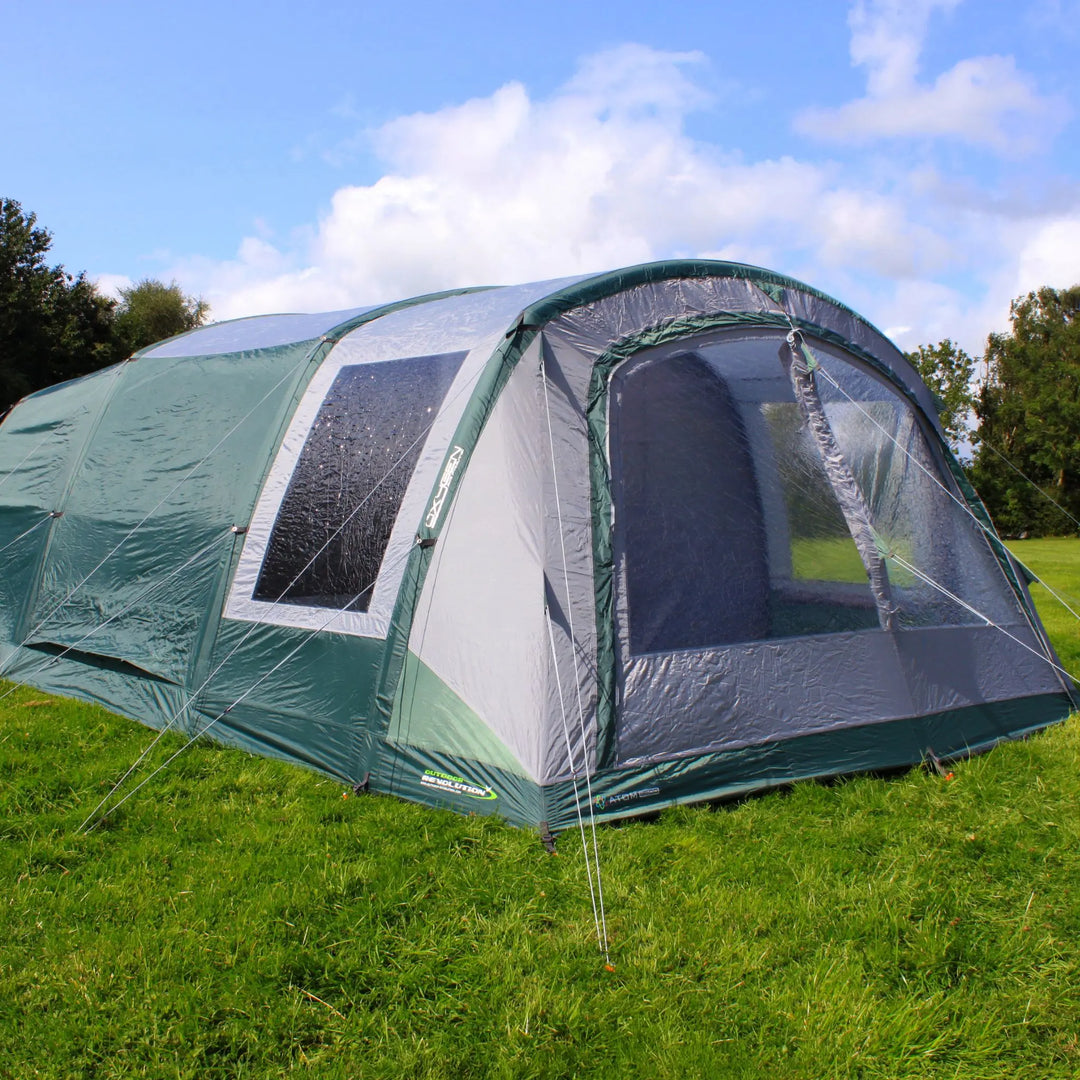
x: 821, y: 547
x: 349, y: 480
x: 692, y: 526
x: 728, y: 529
x: 818, y: 581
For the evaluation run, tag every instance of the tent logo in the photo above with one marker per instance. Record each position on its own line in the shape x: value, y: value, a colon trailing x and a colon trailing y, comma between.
x: 602, y: 802
x: 455, y: 785
x: 450, y: 468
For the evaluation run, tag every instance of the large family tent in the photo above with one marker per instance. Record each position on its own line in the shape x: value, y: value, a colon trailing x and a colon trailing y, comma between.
x: 601, y: 544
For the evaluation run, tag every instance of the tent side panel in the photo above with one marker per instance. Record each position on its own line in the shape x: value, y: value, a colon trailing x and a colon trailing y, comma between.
x: 480, y: 623
x: 119, y: 689
x: 898, y: 744
x: 39, y: 441
x: 147, y: 533
x: 455, y: 783
x: 430, y: 716
x: 509, y: 338
x: 296, y: 694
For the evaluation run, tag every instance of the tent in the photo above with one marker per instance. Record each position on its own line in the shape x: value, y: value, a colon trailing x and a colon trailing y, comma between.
x: 601, y: 544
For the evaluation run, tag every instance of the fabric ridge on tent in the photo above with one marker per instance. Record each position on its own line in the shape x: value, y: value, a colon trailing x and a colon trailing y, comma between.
x: 677, y: 532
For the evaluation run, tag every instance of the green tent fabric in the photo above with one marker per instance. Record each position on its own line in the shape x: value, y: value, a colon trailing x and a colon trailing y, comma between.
x: 594, y: 545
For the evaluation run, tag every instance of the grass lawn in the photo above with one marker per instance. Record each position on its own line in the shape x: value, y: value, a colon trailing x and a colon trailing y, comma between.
x: 834, y: 559
x: 1058, y: 563
x: 242, y: 918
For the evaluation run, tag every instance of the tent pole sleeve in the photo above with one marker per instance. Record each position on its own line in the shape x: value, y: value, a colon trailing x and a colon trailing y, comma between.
x: 800, y: 363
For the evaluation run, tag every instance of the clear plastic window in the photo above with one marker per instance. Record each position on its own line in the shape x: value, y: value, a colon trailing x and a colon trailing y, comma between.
x: 727, y: 524
x: 335, y: 520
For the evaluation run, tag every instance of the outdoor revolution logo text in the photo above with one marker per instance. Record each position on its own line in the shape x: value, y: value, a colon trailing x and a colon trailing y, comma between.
x: 456, y: 785
x: 450, y: 468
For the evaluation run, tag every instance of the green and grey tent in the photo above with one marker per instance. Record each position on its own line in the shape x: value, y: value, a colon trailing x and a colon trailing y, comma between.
x: 672, y: 533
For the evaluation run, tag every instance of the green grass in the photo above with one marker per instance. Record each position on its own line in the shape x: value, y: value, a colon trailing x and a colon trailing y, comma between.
x: 240, y: 918
x: 1057, y: 562
x: 838, y: 559
x: 826, y: 559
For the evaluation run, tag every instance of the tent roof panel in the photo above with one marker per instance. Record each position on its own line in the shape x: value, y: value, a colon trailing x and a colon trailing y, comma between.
x: 256, y: 332
x: 445, y: 323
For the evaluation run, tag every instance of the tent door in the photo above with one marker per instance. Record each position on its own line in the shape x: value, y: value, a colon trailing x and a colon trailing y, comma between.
x: 690, y: 549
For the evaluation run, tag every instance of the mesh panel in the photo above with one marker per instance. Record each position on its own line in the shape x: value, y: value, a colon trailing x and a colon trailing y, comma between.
x: 727, y: 526
x: 819, y: 582
x: 341, y: 503
x: 925, y: 532
x: 694, y: 545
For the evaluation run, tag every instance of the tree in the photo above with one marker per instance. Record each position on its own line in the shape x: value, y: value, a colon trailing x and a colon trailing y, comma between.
x: 1029, y: 417
x: 947, y: 370
x: 151, y: 311
x: 53, y: 325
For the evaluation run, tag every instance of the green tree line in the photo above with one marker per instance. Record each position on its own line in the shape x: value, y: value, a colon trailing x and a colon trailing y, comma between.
x: 1018, y: 422
x: 55, y: 325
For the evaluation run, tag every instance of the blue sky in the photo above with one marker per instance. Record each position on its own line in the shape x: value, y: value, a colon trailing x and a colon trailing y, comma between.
x: 918, y: 160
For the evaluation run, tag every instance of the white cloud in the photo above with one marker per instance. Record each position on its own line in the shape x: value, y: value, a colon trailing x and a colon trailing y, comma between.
x: 875, y: 232
x: 508, y: 188
x: 926, y: 312
x: 1008, y: 255
x: 1050, y: 256
x: 981, y: 101
x: 887, y: 37
x: 111, y: 284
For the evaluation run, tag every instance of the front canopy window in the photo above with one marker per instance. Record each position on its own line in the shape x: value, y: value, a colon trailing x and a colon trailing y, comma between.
x: 750, y: 505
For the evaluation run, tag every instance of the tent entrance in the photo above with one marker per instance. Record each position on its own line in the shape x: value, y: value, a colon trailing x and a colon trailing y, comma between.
x: 692, y: 536
x: 735, y: 565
